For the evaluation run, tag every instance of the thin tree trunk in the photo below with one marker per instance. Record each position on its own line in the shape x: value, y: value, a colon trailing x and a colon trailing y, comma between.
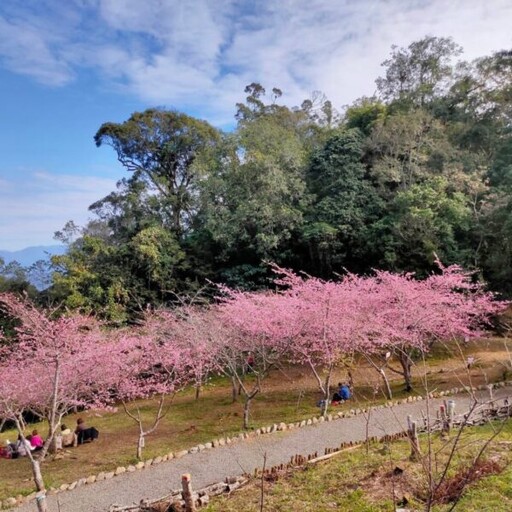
x: 234, y: 389
x: 42, y: 505
x: 323, y: 388
x: 386, y: 383
x: 140, y: 444
x: 406, y: 363
x: 198, y: 391
x: 367, y: 430
x: 53, y: 446
x: 247, y: 406
x: 327, y: 393
x: 55, y: 393
x: 382, y: 373
x: 325, y: 406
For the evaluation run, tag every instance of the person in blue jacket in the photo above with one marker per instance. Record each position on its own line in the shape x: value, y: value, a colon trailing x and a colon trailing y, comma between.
x: 344, y: 392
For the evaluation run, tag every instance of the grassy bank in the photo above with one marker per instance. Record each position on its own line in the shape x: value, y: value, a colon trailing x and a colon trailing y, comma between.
x: 376, y: 481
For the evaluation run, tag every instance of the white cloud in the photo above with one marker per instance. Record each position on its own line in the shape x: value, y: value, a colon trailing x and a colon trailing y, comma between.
x: 198, y: 55
x: 26, y: 50
x: 32, y: 209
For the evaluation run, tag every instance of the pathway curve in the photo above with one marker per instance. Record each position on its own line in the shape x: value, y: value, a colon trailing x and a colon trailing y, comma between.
x: 214, y: 465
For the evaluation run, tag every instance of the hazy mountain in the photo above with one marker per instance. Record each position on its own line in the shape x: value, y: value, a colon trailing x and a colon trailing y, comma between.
x: 25, y: 257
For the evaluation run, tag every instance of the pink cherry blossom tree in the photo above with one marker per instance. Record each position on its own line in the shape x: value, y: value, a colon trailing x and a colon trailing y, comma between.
x: 409, y: 315
x: 248, y: 348
x: 54, y: 365
x: 149, y: 363
x: 193, y: 329
x: 318, y: 323
x: 309, y: 321
x: 330, y: 322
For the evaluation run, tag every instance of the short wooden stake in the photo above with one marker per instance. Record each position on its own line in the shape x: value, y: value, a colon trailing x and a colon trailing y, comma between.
x: 413, y: 438
x: 187, y: 493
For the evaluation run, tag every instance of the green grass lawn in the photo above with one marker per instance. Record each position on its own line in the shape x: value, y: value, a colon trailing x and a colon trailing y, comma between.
x: 288, y: 397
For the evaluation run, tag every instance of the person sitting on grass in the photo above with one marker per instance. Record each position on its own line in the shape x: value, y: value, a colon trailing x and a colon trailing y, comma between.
x: 23, y: 446
x: 345, y: 392
x: 36, y: 441
x: 68, y: 437
x: 80, y: 426
x: 85, y: 434
x: 336, y: 398
x: 9, y: 451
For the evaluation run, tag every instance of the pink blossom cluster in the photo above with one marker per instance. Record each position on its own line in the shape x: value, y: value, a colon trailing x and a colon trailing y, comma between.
x: 328, y: 318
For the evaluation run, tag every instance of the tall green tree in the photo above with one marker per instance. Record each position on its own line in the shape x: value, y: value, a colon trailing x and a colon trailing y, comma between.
x: 160, y: 149
x: 423, y: 167
x: 344, y: 204
x: 417, y: 74
x: 428, y: 220
x: 253, y: 204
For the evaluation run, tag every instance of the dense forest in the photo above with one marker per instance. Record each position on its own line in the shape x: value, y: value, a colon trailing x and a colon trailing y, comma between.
x: 421, y: 170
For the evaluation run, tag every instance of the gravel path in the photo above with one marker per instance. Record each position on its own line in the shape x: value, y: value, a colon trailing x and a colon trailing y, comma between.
x: 214, y: 465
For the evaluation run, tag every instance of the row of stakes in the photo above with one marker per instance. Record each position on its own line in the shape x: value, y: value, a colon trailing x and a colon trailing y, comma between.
x: 301, y: 460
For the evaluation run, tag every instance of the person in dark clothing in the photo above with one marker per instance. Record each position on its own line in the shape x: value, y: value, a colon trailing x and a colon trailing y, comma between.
x: 87, y: 435
x: 337, y: 395
x: 250, y: 363
x: 84, y: 434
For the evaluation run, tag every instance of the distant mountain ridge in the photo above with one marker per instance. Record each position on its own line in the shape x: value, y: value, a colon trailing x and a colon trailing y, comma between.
x: 29, y: 255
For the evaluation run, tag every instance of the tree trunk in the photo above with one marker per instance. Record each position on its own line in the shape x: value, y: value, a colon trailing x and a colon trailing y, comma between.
x: 350, y: 380
x: 325, y: 405
x: 140, y: 444
x: 198, y: 391
x: 247, y: 406
x: 327, y: 392
x: 53, y: 446
x: 367, y: 431
x: 42, y: 505
x: 386, y: 383
x: 406, y: 363
x: 234, y: 389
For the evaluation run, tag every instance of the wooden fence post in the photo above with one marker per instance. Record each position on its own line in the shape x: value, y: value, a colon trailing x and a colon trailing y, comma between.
x: 190, y: 506
x: 450, y: 412
x: 412, y: 434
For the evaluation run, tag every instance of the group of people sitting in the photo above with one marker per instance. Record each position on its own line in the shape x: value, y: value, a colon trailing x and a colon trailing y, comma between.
x: 34, y: 442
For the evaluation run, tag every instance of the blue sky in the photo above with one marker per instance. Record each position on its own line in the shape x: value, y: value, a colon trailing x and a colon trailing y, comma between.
x: 67, y: 66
